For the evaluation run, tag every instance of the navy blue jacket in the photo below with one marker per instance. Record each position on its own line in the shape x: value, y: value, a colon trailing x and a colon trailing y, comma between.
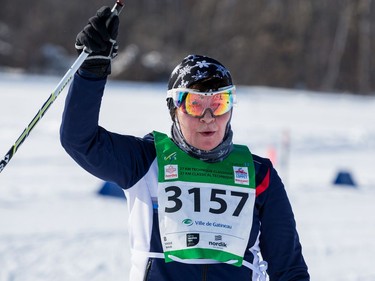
x: 126, y: 159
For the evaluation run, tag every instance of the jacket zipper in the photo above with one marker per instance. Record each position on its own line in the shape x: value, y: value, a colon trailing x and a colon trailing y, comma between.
x: 204, y: 272
x: 148, y: 268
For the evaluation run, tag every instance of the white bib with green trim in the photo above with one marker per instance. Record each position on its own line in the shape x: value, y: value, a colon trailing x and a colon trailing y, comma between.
x: 205, y: 209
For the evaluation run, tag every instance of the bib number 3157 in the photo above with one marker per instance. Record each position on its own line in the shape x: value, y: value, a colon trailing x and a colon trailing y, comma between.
x: 218, y: 200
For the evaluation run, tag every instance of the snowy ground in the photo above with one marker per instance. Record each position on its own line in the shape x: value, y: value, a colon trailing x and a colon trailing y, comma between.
x: 53, y: 226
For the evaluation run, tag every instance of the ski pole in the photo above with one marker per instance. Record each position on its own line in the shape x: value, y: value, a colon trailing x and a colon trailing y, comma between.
x: 59, y: 88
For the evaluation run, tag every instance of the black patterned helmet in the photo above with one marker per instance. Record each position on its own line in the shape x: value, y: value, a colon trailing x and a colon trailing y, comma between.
x: 197, y: 69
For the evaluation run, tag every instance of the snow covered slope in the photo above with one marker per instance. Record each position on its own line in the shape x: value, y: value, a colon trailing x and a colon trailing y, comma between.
x: 53, y: 226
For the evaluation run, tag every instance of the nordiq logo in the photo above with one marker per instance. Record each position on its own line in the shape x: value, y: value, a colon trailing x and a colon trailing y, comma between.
x: 218, y: 244
x: 187, y: 222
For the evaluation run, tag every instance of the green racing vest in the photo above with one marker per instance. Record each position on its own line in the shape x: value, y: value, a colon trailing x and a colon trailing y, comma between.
x: 205, y: 210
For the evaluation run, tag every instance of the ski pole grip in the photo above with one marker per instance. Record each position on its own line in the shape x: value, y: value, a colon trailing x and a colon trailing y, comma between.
x: 116, y: 10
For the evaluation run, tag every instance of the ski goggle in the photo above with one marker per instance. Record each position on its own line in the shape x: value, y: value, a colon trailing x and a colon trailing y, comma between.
x: 196, y: 103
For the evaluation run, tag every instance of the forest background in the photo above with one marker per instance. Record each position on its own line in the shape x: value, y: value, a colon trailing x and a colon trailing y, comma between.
x: 306, y: 44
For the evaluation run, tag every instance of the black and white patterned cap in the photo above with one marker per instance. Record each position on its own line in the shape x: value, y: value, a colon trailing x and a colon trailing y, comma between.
x: 195, y: 68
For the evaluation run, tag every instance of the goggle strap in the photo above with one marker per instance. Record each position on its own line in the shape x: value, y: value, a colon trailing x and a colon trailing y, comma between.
x: 172, y: 92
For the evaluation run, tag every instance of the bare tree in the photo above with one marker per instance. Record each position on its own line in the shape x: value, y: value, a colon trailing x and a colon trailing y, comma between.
x: 364, y: 43
x: 316, y: 44
x: 338, y: 47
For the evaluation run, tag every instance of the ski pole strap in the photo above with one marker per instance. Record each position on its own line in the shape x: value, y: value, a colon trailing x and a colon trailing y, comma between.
x: 116, y: 10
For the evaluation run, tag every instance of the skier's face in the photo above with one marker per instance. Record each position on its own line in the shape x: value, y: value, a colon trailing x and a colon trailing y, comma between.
x: 205, y: 132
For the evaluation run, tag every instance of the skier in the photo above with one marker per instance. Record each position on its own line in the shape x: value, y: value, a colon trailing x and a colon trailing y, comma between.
x: 200, y: 207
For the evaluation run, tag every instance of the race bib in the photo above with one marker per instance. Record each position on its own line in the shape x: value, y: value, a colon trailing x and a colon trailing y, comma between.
x: 200, y: 221
x: 205, y: 210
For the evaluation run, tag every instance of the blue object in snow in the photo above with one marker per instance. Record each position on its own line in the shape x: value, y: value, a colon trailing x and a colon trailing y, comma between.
x: 345, y: 178
x: 111, y: 189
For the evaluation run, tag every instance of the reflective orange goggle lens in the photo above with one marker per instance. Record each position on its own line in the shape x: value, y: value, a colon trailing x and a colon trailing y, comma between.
x: 196, y: 103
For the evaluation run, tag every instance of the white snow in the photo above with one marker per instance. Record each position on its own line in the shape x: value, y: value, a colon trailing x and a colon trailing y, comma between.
x: 53, y: 226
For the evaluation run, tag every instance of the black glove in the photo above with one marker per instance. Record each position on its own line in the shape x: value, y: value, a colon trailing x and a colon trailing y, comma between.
x: 101, y: 41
